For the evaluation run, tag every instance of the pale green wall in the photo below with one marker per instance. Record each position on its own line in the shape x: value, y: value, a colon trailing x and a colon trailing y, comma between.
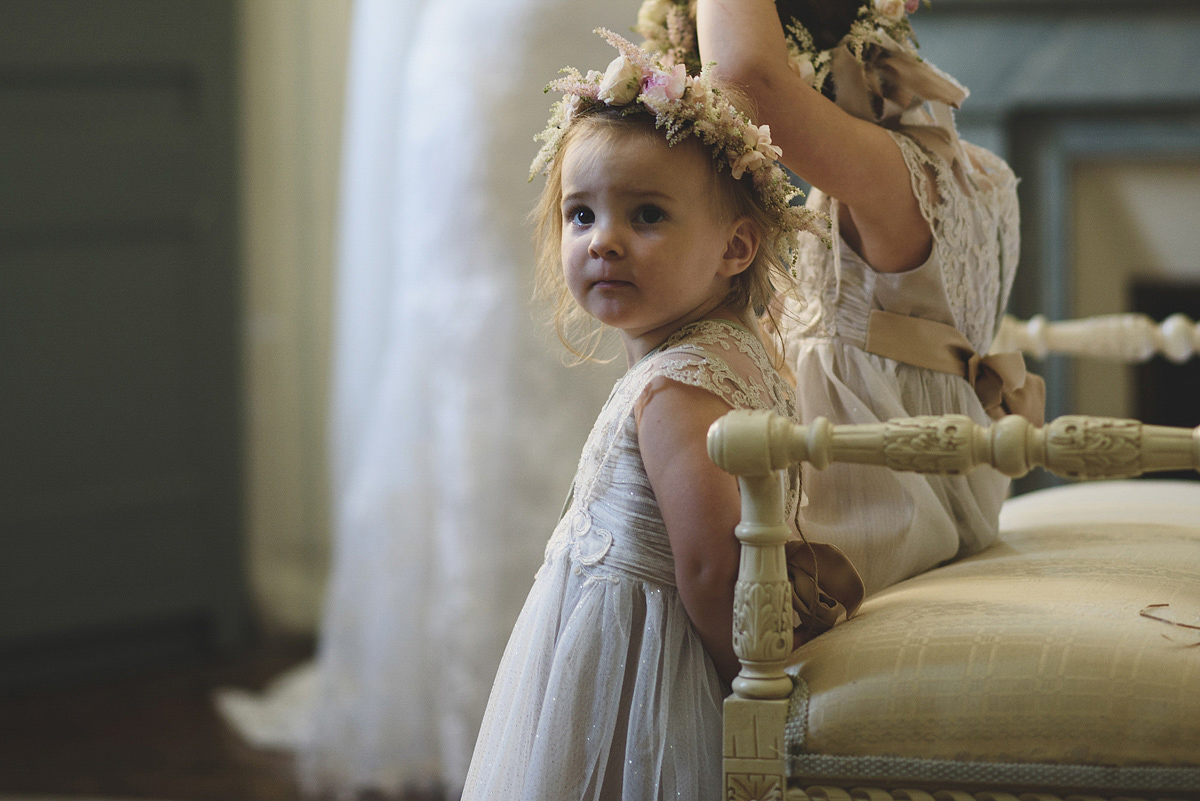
x: 1132, y: 220
x: 293, y: 74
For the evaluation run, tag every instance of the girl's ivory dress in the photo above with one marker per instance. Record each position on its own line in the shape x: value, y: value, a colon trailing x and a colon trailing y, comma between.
x: 605, y: 691
x: 894, y: 525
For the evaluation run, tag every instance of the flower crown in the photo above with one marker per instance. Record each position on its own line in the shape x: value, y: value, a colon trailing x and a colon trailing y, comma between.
x: 876, y: 72
x: 883, y: 23
x: 682, y: 105
x: 669, y: 29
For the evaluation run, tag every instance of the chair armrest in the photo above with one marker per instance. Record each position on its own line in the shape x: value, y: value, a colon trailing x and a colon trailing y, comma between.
x: 758, y: 446
x: 1075, y: 446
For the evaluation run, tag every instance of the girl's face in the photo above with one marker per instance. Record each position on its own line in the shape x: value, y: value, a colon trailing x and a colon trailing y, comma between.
x: 644, y: 248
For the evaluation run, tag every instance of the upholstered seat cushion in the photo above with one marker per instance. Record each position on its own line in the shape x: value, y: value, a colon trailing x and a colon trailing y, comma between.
x: 1042, y: 649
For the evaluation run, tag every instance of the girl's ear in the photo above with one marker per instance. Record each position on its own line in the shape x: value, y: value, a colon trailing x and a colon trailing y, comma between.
x: 741, y: 248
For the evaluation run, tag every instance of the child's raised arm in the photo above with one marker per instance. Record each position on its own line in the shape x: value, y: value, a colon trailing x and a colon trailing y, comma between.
x: 852, y: 160
x: 700, y: 506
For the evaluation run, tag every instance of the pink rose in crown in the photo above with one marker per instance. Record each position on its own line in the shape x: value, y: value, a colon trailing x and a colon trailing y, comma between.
x: 662, y: 86
x: 911, y: 5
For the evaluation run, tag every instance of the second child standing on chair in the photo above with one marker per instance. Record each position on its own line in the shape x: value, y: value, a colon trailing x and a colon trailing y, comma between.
x: 898, y: 313
x: 666, y: 220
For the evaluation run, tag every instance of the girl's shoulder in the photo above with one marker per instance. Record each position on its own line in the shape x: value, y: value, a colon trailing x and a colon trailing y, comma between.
x: 944, y: 176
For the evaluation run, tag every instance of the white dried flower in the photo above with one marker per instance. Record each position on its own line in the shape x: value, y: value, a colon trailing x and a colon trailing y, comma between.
x: 622, y: 82
x: 652, y: 15
x: 802, y: 65
x: 891, y: 9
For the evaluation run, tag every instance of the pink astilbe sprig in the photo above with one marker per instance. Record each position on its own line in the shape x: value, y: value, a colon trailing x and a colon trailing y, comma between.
x: 680, y: 30
x: 632, y: 53
x: 574, y: 83
x: 669, y: 30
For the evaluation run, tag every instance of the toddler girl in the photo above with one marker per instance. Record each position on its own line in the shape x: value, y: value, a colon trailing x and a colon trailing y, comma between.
x: 925, y: 231
x: 666, y: 219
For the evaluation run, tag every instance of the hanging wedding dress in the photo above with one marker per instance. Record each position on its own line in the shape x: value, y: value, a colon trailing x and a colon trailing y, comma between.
x: 455, y: 426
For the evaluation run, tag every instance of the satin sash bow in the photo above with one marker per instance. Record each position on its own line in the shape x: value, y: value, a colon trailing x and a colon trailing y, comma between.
x: 888, y: 84
x: 826, y: 589
x: 1000, y: 380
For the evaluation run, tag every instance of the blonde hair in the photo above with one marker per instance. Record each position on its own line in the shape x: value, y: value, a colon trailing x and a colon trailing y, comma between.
x: 755, y: 288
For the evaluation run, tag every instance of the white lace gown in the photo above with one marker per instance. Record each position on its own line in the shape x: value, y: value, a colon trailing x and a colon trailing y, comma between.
x: 894, y: 525
x: 605, y: 691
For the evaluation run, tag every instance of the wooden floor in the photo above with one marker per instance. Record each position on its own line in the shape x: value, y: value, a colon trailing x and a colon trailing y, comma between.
x: 153, y: 736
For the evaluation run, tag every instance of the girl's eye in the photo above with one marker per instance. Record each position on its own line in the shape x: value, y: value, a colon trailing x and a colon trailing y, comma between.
x: 581, y: 215
x: 649, y: 215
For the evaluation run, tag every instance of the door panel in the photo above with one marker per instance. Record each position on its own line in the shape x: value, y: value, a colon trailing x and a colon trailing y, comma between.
x: 120, y: 524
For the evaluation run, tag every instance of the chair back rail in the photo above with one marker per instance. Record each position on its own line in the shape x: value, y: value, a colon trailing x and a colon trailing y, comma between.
x: 1130, y: 338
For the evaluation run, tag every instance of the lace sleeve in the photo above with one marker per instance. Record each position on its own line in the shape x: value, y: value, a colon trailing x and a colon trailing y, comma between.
x: 1002, y: 184
x: 727, y: 361
x: 974, y: 217
x: 710, y: 373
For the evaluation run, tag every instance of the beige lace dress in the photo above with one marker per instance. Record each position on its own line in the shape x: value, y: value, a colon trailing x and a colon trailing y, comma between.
x: 894, y: 525
x: 605, y: 691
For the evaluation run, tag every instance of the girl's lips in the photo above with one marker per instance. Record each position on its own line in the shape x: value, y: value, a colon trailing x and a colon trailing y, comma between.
x: 611, y: 283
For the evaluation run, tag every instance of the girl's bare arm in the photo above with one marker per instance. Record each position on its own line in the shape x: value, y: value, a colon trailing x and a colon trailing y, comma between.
x: 700, y: 506
x: 850, y: 159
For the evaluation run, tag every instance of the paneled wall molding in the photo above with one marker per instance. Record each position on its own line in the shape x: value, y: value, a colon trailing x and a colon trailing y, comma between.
x: 1014, y: 62
x: 120, y: 332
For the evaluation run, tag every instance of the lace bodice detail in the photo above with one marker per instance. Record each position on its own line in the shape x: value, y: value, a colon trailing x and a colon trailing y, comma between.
x: 974, y: 217
x: 611, y: 492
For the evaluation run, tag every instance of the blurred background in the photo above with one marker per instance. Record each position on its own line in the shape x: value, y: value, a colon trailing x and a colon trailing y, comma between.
x: 169, y: 207
x: 168, y: 190
x: 169, y: 186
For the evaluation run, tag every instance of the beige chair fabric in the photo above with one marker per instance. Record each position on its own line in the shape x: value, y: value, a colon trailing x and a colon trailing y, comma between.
x: 1043, y: 649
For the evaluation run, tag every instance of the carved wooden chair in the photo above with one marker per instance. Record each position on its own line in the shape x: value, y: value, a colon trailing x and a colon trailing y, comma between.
x: 1063, y: 662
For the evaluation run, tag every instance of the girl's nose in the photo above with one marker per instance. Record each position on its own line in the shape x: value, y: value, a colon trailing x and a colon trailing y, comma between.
x: 605, y: 242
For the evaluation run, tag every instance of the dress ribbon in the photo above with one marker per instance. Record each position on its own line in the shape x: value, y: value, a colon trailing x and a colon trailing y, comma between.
x: 1000, y: 380
x: 826, y: 589
x: 886, y: 82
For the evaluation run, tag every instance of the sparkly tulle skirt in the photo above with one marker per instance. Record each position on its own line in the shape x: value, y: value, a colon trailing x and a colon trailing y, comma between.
x: 604, y: 692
